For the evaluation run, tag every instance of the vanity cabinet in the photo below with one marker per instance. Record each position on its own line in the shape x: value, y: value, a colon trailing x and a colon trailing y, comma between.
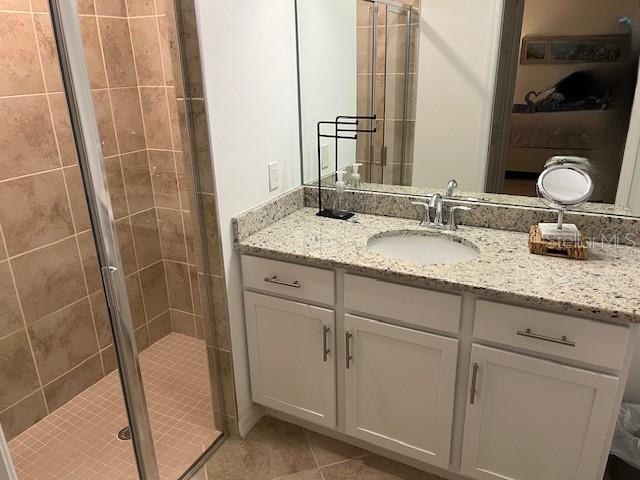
x: 399, y: 388
x: 292, y: 357
x: 536, y: 397
x: 529, y: 419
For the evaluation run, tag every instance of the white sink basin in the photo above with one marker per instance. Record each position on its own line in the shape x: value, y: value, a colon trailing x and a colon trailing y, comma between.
x: 427, y: 249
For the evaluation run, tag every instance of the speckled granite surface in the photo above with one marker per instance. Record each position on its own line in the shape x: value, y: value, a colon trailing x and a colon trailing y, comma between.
x: 622, y: 229
x: 605, y: 287
x: 263, y: 215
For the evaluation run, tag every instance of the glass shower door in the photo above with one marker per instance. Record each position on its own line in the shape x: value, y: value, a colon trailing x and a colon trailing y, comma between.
x: 167, y: 378
x: 99, y: 263
x: 61, y: 400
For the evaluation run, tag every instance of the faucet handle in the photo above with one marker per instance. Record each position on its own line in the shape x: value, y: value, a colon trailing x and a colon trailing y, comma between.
x: 452, y: 225
x: 426, y: 218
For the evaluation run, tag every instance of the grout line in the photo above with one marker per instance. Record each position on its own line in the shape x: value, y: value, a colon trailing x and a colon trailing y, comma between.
x: 313, y: 455
x: 26, y: 95
x: 39, y: 389
x: 347, y: 460
x: 41, y: 247
x: 115, y: 16
x: 75, y: 302
x: 75, y: 367
x: 13, y: 332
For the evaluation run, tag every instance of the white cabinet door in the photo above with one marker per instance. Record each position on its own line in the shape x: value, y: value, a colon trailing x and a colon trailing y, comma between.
x: 292, y: 357
x: 532, y: 419
x: 400, y: 388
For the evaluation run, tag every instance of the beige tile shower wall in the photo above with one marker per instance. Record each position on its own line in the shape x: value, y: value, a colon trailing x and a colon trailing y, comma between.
x: 54, y: 334
x: 390, y: 59
x: 211, y: 281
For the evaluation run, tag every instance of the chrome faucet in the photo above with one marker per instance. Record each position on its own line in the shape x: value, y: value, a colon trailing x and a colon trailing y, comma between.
x: 433, y: 201
x: 436, y: 203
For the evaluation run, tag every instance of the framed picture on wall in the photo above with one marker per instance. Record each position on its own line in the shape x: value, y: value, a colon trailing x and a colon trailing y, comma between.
x: 574, y: 49
x: 535, y: 51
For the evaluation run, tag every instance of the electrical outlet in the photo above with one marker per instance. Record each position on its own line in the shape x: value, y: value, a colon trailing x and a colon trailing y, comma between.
x: 324, y: 156
x: 274, y: 180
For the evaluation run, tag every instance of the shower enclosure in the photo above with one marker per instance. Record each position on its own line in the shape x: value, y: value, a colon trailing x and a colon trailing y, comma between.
x: 387, y: 69
x: 108, y: 245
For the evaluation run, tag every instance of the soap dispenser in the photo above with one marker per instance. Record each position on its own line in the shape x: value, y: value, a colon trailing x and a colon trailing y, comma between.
x: 339, y: 203
x: 355, y: 175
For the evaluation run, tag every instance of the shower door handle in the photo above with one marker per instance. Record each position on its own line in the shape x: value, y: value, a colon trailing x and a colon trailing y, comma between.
x: 107, y: 276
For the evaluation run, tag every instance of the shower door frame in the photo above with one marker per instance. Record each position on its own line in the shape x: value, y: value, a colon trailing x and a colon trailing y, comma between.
x: 397, y: 8
x: 70, y: 49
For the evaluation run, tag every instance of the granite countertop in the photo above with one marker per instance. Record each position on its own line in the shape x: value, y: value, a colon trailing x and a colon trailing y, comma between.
x: 605, y: 287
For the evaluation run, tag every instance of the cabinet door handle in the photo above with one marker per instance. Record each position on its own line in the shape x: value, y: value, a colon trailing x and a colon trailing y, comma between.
x: 562, y: 340
x: 325, y: 342
x: 474, y: 382
x: 277, y: 281
x: 348, y: 356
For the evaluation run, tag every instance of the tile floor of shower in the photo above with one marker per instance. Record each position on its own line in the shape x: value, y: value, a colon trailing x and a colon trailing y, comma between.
x: 79, y: 440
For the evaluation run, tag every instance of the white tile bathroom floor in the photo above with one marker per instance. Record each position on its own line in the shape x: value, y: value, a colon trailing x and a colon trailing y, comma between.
x: 79, y: 440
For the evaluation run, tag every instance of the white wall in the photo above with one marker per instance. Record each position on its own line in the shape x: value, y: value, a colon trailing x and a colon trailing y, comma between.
x: 459, y: 41
x: 249, y: 63
x: 328, y: 68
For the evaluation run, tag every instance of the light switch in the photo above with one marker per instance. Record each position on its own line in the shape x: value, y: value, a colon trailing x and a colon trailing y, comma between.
x: 274, y: 179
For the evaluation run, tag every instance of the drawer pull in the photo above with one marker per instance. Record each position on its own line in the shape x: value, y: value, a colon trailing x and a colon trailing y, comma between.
x: 474, y: 382
x: 562, y: 341
x: 325, y: 342
x: 348, y: 356
x: 277, y: 281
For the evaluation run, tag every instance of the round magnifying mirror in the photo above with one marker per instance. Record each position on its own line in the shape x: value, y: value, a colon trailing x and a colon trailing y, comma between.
x: 564, y: 186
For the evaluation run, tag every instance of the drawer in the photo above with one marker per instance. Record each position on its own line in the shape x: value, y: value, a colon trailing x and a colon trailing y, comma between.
x: 410, y: 305
x: 298, y: 281
x: 555, y: 334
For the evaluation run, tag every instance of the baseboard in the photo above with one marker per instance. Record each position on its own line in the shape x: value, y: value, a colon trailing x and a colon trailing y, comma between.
x: 249, y: 420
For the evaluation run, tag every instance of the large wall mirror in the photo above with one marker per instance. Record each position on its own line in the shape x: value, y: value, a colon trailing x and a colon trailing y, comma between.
x: 480, y: 91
